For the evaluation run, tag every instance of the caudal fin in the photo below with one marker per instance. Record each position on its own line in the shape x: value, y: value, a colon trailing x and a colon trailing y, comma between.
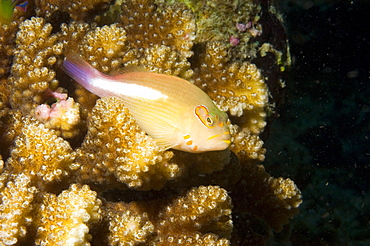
x: 80, y: 70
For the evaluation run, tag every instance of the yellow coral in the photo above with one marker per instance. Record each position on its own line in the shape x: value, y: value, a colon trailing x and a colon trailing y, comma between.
x: 287, y: 191
x: 160, y: 59
x: 73, y: 34
x: 130, y: 156
x: 39, y: 153
x: 103, y: 47
x: 148, y: 24
x: 205, y: 209
x: 36, y: 53
x: 67, y: 215
x: 202, y: 216
x: 16, y: 200
x: 246, y: 145
x: 126, y: 227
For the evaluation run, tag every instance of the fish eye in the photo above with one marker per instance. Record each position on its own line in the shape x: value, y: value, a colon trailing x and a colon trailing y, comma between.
x: 204, y: 116
x: 209, y: 120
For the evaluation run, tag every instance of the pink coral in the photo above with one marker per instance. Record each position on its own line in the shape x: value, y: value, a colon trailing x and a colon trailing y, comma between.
x: 242, y: 27
x: 63, y: 115
x: 234, y: 41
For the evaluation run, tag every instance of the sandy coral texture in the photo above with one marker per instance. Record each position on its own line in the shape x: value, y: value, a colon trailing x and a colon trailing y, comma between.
x: 76, y: 169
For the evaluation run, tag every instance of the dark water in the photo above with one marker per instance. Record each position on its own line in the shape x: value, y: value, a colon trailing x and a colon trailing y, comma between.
x: 321, y: 139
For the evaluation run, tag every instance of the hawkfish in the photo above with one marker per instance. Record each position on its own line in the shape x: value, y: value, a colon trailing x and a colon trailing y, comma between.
x: 7, y: 9
x: 172, y: 110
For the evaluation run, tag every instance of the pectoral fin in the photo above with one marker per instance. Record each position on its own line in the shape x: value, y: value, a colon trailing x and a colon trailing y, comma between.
x: 164, y: 134
x: 165, y: 143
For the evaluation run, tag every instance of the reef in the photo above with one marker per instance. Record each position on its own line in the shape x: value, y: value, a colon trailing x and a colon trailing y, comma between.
x: 78, y: 170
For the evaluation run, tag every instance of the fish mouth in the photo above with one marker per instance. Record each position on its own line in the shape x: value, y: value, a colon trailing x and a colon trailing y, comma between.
x: 227, y: 140
x: 224, y: 139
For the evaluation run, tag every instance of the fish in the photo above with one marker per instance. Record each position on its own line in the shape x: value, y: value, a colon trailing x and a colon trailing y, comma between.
x: 7, y: 9
x: 173, y: 111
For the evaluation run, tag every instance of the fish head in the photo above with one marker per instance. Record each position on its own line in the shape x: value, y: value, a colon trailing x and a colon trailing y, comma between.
x: 209, y: 130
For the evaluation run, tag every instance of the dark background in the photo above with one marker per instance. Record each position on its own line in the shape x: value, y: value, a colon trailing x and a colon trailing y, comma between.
x: 321, y: 139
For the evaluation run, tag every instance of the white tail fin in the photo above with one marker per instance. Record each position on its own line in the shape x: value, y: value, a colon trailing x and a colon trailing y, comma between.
x: 81, y: 71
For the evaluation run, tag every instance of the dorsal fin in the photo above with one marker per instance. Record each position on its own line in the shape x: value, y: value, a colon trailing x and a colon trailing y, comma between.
x: 127, y: 69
